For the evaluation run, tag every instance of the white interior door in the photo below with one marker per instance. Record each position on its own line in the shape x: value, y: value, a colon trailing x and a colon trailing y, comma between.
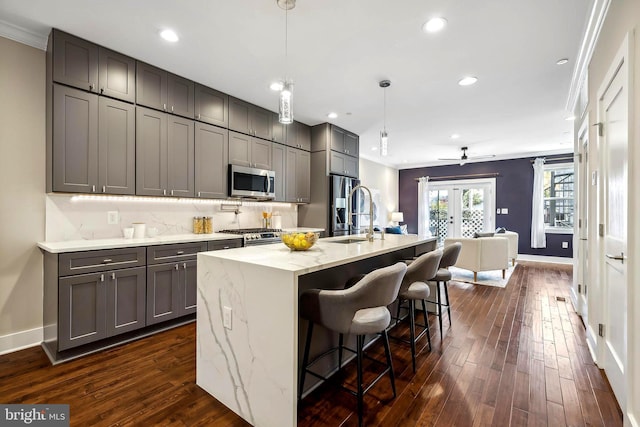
x: 583, y: 282
x: 613, y: 108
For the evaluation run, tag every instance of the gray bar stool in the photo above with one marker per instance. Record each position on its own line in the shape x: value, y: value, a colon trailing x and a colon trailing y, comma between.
x: 449, y: 257
x: 414, y: 288
x: 359, y: 310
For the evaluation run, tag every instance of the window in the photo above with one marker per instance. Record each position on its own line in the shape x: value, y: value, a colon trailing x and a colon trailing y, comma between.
x: 558, y: 198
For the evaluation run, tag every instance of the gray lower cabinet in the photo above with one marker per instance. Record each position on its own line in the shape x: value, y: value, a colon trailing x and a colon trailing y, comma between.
x: 245, y: 150
x: 93, y: 143
x: 297, y: 185
x: 164, y: 154
x: 211, y: 160
x: 211, y: 106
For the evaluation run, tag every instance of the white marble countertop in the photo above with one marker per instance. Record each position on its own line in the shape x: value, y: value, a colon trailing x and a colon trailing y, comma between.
x: 121, y: 242
x: 326, y: 253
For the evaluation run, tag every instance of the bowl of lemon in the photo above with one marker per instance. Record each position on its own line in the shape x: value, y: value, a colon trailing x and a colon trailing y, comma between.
x: 297, y: 241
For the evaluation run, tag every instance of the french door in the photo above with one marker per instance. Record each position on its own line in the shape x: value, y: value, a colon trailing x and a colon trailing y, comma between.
x: 461, y: 208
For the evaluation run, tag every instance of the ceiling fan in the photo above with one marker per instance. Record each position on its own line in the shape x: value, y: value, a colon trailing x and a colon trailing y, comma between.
x: 464, y: 158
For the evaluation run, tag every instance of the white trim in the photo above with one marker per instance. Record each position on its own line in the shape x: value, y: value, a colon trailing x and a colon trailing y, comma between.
x: 544, y: 258
x: 588, y: 45
x: 20, y: 340
x: 558, y: 230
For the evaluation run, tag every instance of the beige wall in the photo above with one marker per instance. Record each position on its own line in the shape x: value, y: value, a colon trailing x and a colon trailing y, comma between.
x: 384, y: 179
x: 623, y: 18
x: 22, y: 177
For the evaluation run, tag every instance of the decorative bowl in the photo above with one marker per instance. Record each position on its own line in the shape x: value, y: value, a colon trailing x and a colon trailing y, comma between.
x: 299, y: 241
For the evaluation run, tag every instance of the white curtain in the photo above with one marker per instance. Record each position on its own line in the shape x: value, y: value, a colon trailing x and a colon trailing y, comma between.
x: 538, y: 237
x: 423, y: 206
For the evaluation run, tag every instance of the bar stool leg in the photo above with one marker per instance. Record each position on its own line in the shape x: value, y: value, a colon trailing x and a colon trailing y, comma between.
x: 398, y: 312
x: 360, y: 345
x: 446, y: 294
x: 426, y: 323
x: 412, y: 331
x: 305, y: 358
x: 387, y: 351
x: 438, y: 302
x: 340, y: 345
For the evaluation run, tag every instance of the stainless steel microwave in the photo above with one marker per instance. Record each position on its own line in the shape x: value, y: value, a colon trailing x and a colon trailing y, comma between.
x: 251, y: 182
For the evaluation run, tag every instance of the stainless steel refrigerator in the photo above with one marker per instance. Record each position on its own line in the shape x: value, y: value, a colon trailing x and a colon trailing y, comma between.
x: 339, y: 189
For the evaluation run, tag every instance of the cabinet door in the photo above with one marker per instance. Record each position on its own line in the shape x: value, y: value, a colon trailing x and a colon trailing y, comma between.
x: 278, y: 130
x: 82, y: 310
x: 337, y: 139
x: 290, y: 186
x: 116, y: 147
x: 151, y: 152
x: 116, y: 75
x: 261, y: 154
x: 336, y: 163
x: 211, y: 106
x: 239, y: 149
x: 260, y: 122
x: 351, y: 144
x: 278, y: 161
x: 351, y: 166
x: 188, y: 287
x: 126, y: 301
x: 75, y: 61
x: 181, y: 157
x: 75, y: 140
x: 303, y: 180
x: 151, y: 86
x: 180, y: 96
x: 162, y: 292
x: 239, y: 113
x: 303, y: 136
x: 212, y: 158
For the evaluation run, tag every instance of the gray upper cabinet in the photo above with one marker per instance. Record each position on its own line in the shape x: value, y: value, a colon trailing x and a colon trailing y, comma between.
x: 330, y: 137
x: 211, y: 106
x: 343, y: 164
x: 278, y: 160
x: 245, y: 150
x: 351, y: 144
x: 75, y: 61
x: 299, y: 136
x: 211, y: 160
x: 250, y: 119
x: 180, y: 96
x: 297, y: 176
x: 116, y: 147
x: 151, y: 86
x: 75, y: 140
x: 116, y: 75
x: 181, y: 157
x: 278, y: 130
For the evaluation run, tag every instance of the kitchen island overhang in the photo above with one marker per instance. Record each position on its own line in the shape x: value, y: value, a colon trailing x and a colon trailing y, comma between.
x: 252, y: 366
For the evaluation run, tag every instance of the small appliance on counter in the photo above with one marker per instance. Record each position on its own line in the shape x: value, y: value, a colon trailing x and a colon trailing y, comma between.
x: 257, y: 236
x: 139, y: 230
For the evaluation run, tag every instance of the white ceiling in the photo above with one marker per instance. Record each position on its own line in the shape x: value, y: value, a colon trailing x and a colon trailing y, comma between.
x: 340, y: 49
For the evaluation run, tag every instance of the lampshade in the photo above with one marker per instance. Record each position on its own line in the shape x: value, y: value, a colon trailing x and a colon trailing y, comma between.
x: 286, y: 104
x: 397, y: 217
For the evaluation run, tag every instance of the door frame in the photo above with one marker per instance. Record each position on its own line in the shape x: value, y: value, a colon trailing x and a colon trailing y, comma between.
x: 581, y: 227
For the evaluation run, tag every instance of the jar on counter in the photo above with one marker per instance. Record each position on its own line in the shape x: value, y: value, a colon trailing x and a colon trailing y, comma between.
x: 198, y: 225
x: 208, y: 225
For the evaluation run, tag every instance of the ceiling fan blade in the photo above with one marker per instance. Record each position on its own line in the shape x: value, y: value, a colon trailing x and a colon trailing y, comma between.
x: 453, y: 159
x: 486, y: 156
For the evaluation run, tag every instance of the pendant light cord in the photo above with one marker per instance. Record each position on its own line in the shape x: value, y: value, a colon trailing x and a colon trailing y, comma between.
x: 286, y: 42
x: 385, y: 110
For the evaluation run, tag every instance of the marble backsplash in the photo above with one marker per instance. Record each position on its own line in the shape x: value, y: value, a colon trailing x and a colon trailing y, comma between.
x: 86, y: 219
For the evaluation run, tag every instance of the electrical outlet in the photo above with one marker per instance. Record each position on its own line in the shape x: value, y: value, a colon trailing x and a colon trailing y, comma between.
x: 112, y: 217
x: 498, y: 211
x: 226, y: 317
x: 565, y: 245
x: 505, y: 211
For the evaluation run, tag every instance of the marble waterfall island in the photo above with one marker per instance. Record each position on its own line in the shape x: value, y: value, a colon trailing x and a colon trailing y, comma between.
x: 247, y: 318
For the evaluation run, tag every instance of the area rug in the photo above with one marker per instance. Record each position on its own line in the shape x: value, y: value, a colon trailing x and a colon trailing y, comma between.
x: 487, y: 278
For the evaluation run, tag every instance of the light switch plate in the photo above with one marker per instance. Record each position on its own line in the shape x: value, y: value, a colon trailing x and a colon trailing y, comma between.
x: 112, y: 217
x: 565, y: 245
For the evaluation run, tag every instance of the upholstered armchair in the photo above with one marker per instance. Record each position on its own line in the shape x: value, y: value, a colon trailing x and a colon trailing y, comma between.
x: 482, y: 254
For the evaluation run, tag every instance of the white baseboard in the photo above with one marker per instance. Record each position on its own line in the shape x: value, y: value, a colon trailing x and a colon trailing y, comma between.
x: 541, y: 258
x: 20, y: 340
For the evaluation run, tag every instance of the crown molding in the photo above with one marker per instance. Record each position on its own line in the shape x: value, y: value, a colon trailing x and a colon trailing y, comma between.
x: 22, y: 35
x: 589, y: 40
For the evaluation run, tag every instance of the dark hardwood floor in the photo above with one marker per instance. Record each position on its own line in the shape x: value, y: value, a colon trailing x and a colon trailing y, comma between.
x: 514, y: 356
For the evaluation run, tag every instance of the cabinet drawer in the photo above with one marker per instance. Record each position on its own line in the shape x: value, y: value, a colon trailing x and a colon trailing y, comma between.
x: 217, y: 245
x: 176, y: 252
x: 94, y: 261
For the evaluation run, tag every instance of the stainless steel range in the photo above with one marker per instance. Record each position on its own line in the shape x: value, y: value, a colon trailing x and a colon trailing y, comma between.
x: 257, y: 236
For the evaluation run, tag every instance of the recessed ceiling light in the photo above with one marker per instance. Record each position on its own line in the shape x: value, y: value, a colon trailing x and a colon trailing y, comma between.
x: 570, y: 118
x: 562, y: 61
x: 467, y: 81
x: 332, y: 115
x: 277, y: 86
x: 434, y: 25
x: 374, y: 148
x: 405, y: 161
x: 455, y: 136
x: 169, y: 35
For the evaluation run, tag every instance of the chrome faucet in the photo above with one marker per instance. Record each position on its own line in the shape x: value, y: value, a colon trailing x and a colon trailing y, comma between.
x: 350, y: 221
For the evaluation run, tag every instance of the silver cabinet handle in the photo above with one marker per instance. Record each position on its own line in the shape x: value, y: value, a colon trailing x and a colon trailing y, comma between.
x: 177, y: 267
x: 620, y: 257
x: 104, y: 261
x: 226, y: 247
x: 198, y: 194
x: 184, y: 266
x: 179, y: 252
x: 172, y: 192
x: 93, y: 188
x: 92, y: 86
x: 172, y: 108
x: 113, y: 276
x: 102, y: 277
x: 164, y: 192
x: 101, y: 90
x: 104, y: 188
x: 198, y: 116
x: 164, y: 107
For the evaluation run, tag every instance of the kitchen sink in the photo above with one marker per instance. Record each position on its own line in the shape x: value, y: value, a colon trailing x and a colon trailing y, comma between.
x: 350, y: 240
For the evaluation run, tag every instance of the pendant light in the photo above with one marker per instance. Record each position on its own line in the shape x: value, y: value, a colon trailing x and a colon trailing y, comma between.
x: 285, y: 107
x: 384, y: 136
